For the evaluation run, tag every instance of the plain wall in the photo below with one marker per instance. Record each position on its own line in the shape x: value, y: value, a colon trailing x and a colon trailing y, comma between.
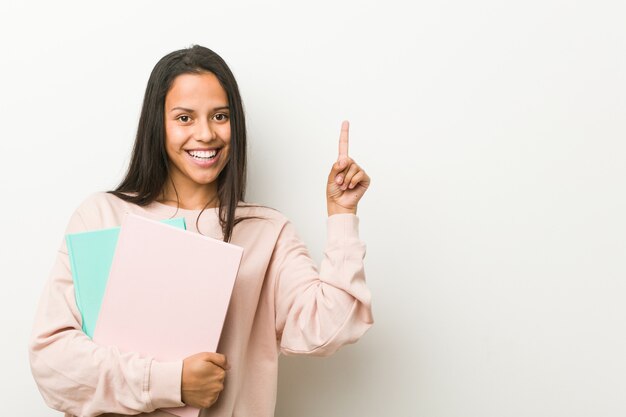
x: 494, y: 133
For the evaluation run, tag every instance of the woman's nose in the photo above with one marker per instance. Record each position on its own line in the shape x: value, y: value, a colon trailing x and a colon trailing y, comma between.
x: 204, y: 132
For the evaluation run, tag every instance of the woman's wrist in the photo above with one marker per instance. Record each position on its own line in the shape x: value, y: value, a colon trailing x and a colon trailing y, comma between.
x: 337, y: 209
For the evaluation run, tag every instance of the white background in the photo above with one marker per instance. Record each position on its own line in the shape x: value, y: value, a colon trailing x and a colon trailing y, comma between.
x: 494, y: 132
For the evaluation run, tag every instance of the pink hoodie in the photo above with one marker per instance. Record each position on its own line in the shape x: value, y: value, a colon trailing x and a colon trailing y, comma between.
x: 280, y: 303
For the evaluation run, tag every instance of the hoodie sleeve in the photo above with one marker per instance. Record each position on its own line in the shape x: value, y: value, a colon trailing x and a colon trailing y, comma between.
x: 79, y: 377
x: 318, y: 312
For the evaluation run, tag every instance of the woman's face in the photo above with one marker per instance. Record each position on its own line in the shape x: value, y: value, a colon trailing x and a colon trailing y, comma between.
x: 197, y: 130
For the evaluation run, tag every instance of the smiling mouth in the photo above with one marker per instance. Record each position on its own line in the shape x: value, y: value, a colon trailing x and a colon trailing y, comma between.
x: 204, y: 155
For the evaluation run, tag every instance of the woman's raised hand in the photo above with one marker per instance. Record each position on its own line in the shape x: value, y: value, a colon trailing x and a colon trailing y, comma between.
x: 203, y: 378
x: 347, y: 182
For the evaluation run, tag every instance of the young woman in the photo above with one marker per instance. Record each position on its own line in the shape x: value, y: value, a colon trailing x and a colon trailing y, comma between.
x: 189, y: 159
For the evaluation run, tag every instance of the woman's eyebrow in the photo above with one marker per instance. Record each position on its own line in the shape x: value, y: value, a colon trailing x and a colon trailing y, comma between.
x: 182, y: 108
x: 193, y: 111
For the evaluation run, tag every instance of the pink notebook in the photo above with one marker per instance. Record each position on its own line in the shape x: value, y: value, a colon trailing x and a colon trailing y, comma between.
x: 167, y: 293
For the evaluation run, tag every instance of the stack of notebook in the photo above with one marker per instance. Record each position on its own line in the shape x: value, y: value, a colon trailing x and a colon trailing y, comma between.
x: 153, y: 288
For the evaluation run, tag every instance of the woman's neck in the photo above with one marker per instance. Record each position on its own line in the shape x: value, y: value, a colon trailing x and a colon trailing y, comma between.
x: 190, y: 198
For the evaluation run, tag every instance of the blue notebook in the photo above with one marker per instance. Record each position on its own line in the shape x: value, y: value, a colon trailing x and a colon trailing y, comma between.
x: 91, y: 255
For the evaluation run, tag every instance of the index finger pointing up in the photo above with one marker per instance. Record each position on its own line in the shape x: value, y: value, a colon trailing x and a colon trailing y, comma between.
x: 343, y: 140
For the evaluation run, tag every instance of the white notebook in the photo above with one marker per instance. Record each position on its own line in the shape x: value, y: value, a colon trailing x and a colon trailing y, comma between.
x: 167, y: 293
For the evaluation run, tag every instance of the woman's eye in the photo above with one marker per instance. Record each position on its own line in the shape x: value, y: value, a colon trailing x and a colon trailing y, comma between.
x: 183, y: 118
x: 220, y: 117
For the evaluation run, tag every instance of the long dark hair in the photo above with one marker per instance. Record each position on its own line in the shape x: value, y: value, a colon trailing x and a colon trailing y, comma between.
x: 149, y: 165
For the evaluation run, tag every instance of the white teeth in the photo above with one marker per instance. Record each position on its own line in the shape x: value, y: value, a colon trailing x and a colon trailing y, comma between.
x: 203, y: 154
